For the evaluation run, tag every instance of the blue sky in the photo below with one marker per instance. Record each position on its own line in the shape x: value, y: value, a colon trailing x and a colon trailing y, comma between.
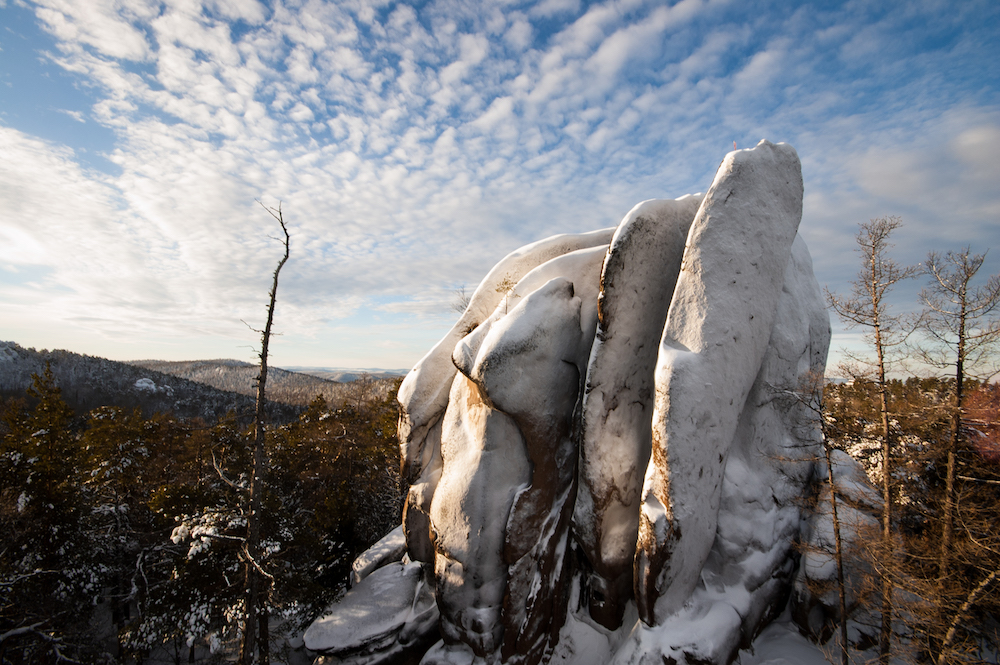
x: 412, y: 145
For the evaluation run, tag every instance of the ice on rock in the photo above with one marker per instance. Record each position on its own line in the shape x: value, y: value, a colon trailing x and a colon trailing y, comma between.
x: 610, y: 449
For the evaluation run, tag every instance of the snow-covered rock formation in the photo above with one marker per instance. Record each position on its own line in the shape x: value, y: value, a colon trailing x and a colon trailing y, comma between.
x: 609, y: 452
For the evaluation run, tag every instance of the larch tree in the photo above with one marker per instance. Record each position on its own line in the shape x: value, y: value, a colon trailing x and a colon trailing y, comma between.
x: 868, y: 307
x: 962, y: 335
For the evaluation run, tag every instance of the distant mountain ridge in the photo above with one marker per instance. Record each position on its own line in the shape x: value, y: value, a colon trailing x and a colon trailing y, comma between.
x: 88, y: 382
x: 290, y: 387
x: 348, y: 374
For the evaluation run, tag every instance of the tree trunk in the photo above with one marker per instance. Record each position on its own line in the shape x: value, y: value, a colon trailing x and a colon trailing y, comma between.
x: 252, y: 552
x: 953, y: 443
x: 840, y: 556
x: 953, y: 626
x: 885, y: 631
x: 265, y: 656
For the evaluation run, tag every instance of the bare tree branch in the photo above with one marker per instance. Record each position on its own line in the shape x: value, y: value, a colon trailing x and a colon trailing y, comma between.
x: 868, y: 307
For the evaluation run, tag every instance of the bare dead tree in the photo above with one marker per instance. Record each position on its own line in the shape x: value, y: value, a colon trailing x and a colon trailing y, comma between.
x: 255, y: 636
x: 506, y: 289
x: 362, y: 390
x: 462, y: 300
x: 962, y: 335
x: 838, y: 552
x: 868, y: 307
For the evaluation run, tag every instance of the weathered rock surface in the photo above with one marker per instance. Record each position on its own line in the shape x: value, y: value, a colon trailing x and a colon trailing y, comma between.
x: 424, y: 391
x: 637, y: 283
x: 509, y: 461
x: 716, y: 333
x: 745, y: 579
x: 385, y: 616
x: 610, y: 449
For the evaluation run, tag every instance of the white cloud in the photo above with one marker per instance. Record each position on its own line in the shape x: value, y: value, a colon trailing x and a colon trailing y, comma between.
x: 76, y: 115
x: 977, y: 148
x: 548, y: 8
x: 301, y: 113
x: 643, y: 39
x: 99, y: 24
x: 248, y: 10
x: 501, y: 110
x: 519, y: 35
x: 412, y: 147
x: 762, y: 69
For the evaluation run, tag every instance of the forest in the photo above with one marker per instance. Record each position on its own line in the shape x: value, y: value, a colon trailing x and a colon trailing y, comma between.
x: 954, y: 614
x: 122, y: 533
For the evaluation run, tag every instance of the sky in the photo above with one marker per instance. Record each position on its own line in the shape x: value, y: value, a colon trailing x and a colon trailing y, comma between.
x: 413, y: 145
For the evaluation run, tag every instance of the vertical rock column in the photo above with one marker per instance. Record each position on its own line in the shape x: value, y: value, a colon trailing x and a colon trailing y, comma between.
x: 637, y: 281
x: 717, y: 331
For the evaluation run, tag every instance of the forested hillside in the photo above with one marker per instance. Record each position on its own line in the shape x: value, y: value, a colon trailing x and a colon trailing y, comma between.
x: 348, y: 375
x: 295, y: 388
x: 88, y: 382
x: 124, y: 528
x: 123, y: 533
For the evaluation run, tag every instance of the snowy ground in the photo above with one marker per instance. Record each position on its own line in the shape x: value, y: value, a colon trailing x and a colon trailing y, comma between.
x: 781, y: 644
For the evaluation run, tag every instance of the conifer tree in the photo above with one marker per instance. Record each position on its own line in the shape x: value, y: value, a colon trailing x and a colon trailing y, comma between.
x: 48, y: 574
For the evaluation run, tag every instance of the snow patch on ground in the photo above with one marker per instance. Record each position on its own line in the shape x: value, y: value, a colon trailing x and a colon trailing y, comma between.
x: 782, y: 644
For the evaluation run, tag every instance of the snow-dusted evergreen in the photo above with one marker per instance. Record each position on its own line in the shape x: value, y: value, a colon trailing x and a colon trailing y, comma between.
x: 610, y: 450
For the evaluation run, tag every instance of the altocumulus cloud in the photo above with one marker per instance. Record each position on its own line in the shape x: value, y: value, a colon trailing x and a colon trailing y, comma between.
x: 412, y: 145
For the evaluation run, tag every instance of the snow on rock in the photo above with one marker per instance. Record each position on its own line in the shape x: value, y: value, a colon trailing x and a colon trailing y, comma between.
x: 748, y: 572
x: 637, y: 282
x: 508, y: 461
x: 610, y: 450
x: 145, y: 385
x: 389, y: 549
x: 817, y: 604
x: 387, y: 615
x: 423, y: 395
x: 716, y: 333
x: 780, y: 643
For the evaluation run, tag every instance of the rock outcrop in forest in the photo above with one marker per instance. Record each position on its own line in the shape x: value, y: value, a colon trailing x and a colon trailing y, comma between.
x: 607, y: 454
